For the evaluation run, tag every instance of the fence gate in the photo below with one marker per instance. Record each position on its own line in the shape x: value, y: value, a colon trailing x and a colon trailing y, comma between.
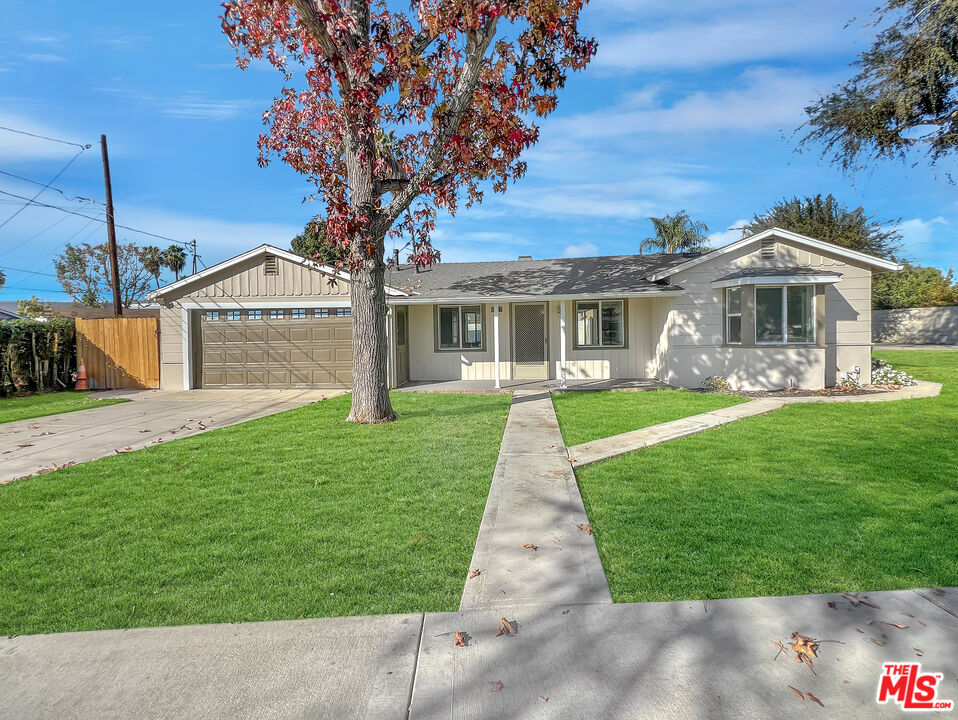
x: 120, y: 352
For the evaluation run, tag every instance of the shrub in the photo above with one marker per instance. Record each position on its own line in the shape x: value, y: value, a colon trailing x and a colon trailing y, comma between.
x: 717, y: 384
x: 885, y: 374
x: 36, y: 355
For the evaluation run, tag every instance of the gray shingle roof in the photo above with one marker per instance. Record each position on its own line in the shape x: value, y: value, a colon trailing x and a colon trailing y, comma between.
x: 613, y: 274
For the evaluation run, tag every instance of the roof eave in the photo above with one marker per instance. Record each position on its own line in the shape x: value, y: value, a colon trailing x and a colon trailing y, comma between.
x: 673, y: 291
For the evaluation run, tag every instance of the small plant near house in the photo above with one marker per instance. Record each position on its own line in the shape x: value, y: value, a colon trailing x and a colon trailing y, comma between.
x: 717, y: 384
x: 885, y: 375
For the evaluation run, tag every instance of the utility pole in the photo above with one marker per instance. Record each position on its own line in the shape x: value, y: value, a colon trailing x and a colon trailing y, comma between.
x: 111, y: 231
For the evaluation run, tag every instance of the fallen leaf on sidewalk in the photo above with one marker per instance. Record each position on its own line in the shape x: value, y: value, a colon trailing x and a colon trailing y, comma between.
x: 813, y: 698
x: 571, y: 459
x: 496, y: 686
x: 859, y: 599
x: 895, y: 625
x: 506, y: 628
x: 938, y: 591
x: 585, y: 527
x: 832, y: 605
x: 805, y: 648
x: 530, y: 546
x: 877, y: 642
x: 798, y: 693
x: 124, y: 450
x: 907, y: 614
x: 145, y: 431
x: 25, y: 445
x: 923, y: 624
x: 918, y: 651
x: 474, y: 574
x: 860, y: 630
x: 543, y: 699
x: 781, y: 649
x: 565, y: 612
x: 461, y: 639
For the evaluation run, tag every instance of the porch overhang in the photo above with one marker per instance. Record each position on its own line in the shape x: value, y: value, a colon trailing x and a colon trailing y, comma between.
x: 777, y: 276
x: 669, y: 291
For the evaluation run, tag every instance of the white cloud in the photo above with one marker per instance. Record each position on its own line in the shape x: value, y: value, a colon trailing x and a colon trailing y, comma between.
x: 585, y: 249
x: 44, y: 58
x: 929, y: 242
x: 730, y: 235
x: 743, y: 34
x: 190, y: 105
x: 18, y: 148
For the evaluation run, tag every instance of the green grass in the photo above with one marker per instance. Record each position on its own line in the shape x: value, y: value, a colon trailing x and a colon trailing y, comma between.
x: 295, y: 515
x: 587, y: 416
x: 51, y: 403
x: 808, y: 499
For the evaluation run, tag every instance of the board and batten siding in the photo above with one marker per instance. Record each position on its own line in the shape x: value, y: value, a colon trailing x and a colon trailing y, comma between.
x: 696, y: 336
x: 643, y: 356
x: 171, y: 348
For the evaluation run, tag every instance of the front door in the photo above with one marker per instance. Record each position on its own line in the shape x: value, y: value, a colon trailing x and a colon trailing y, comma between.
x: 402, y: 346
x: 530, y: 352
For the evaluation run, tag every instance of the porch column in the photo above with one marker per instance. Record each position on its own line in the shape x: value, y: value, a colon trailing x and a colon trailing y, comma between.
x: 562, y: 370
x: 495, y: 341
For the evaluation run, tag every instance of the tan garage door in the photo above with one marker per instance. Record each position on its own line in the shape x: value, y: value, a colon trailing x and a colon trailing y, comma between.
x: 277, y: 348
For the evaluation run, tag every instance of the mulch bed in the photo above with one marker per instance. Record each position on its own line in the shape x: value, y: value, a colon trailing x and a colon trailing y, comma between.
x: 825, y: 392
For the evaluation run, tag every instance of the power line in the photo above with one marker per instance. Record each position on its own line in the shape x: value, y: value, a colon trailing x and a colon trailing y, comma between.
x: 64, y: 193
x: 40, y: 191
x: 32, y: 272
x: 43, y: 290
x: 102, y: 220
x: 34, y: 236
x: 44, y: 137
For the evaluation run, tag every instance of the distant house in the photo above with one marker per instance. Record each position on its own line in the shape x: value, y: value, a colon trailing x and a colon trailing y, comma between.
x: 773, y: 310
x: 69, y: 309
x: 9, y: 315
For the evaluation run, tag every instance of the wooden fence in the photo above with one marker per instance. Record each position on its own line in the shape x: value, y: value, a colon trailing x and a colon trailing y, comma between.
x: 120, y: 352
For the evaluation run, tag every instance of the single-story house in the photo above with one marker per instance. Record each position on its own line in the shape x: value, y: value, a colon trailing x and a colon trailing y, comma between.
x: 772, y: 310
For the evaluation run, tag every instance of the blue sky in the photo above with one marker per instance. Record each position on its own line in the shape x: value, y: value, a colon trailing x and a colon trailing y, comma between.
x: 687, y: 106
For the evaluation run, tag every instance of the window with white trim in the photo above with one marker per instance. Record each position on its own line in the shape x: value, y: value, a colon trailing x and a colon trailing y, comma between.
x: 254, y: 315
x: 733, y: 315
x: 784, y: 314
x: 277, y: 314
x: 299, y: 313
x: 460, y: 327
x: 211, y: 315
x: 233, y: 314
x: 321, y: 312
x: 599, y: 323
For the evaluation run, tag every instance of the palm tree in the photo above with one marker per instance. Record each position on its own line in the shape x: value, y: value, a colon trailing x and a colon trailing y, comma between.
x: 677, y: 233
x: 152, y: 258
x: 175, y: 259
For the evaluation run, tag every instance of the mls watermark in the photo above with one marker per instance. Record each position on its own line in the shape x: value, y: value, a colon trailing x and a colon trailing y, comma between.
x: 907, y: 685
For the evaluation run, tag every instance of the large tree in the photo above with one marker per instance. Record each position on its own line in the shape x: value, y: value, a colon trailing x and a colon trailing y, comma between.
x: 677, y: 233
x: 825, y: 218
x: 313, y: 244
x: 914, y: 286
x: 457, y: 101
x: 904, y: 94
x: 174, y: 257
x: 85, y: 275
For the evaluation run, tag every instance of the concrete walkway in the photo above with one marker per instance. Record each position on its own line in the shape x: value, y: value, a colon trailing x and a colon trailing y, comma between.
x: 615, y: 445
x: 694, y: 659
x: 152, y: 417
x: 534, y: 500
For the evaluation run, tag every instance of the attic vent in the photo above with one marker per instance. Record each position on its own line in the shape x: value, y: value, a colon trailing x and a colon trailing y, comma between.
x: 525, y: 257
x: 768, y: 249
x: 271, y: 265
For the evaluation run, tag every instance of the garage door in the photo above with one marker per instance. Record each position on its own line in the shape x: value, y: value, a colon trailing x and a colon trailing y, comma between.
x: 305, y: 348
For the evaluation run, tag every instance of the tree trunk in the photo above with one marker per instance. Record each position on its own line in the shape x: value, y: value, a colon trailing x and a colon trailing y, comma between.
x: 370, y: 345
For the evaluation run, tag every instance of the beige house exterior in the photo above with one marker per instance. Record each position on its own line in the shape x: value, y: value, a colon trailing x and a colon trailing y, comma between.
x: 770, y: 311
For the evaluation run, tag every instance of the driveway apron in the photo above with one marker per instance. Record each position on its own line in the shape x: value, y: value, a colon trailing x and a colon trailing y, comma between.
x: 530, y: 548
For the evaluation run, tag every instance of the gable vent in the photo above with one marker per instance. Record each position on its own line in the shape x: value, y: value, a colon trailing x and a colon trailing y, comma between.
x: 768, y: 249
x: 271, y: 265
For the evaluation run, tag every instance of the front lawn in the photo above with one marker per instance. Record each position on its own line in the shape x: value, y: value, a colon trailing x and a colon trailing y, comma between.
x: 51, y: 403
x: 295, y: 515
x: 587, y: 416
x: 808, y: 499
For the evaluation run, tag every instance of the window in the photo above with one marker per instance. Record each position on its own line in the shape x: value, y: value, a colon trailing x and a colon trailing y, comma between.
x: 277, y: 314
x: 299, y: 314
x: 233, y: 314
x: 254, y: 315
x: 733, y: 315
x: 344, y: 312
x: 600, y: 324
x: 321, y: 312
x: 785, y: 313
x: 211, y: 316
x: 460, y: 327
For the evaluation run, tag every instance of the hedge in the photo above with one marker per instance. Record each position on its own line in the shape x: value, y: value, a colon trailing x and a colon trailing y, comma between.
x: 36, y: 356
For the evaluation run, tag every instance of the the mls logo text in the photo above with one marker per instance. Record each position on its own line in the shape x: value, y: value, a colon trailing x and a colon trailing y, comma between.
x: 905, y: 684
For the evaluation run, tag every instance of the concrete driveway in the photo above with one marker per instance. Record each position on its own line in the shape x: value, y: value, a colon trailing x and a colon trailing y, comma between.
x: 150, y: 418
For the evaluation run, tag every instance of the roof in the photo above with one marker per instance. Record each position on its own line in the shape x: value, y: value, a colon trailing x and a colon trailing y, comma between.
x: 777, y: 276
x: 9, y: 315
x: 69, y: 309
x: 243, y: 257
x: 851, y: 255
x: 613, y: 275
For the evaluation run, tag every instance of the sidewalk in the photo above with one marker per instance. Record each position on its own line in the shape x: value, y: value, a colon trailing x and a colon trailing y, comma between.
x: 534, y: 500
x: 691, y: 659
